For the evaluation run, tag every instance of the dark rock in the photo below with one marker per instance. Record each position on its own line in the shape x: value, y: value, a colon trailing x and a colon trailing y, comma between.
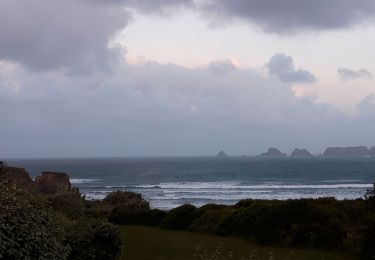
x: 53, y: 182
x: 16, y: 176
x: 357, y: 151
x: 372, y: 151
x: 273, y: 152
x: 221, y: 154
x: 300, y: 153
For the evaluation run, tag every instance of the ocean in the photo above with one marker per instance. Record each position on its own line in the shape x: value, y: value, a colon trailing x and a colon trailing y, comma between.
x: 169, y: 182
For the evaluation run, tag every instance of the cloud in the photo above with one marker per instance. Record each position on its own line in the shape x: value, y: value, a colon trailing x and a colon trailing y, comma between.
x: 348, y: 74
x: 292, y: 15
x: 68, y: 35
x: 154, y: 109
x: 282, y: 66
x: 62, y: 34
x: 222, y: 66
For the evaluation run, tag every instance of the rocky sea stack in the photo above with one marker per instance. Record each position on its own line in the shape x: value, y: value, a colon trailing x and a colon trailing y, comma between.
x: 47, y: 182
x: 221, y: 154
x: 300, y: 153
x: 273, y: 152
x: 356, y: 151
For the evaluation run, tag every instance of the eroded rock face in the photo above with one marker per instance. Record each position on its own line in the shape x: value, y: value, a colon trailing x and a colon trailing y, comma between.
x: 53, y: 182
x: 273, y: 152
x: 372, y: 151
x: 221, y: 154
x: 357, y: 151
x: 16, y: 176
x: 301, y: 153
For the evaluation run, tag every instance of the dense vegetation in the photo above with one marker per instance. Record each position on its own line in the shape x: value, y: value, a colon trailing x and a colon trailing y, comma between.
x: 310, y: 223
x: 64, y: 225
x: 55, y: 226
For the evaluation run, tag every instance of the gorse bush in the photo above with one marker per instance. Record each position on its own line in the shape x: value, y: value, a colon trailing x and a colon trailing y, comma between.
x: 123, y: 215
x: 28, y: 227
x: 180, y: 218
x: 94, y: 239
x: 127, y: 199
x: 69, y: 203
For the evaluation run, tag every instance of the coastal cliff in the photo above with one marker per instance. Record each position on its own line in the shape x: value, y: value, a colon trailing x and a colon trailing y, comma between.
x: 300, y: 153
x: 47, y: 182
x: 273, y: 152
x: 357, y: 151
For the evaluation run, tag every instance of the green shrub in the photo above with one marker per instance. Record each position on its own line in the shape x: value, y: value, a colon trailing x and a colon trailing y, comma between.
x: 329, y: 235
x: 219, y: 222
x: 180, y: 218
x: 97, y: 209
x: 94, y: 239
x: 28, y: 227
x: 124, y: 215
x: 126, y: 198
x: 70, y: 203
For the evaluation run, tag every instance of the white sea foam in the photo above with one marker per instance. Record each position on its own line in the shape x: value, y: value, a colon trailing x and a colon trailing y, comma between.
x: 82, y: 181
x: 238, y: 185
x: 173, y: 194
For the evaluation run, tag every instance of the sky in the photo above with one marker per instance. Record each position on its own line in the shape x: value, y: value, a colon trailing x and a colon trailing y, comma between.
x: 124, y: 78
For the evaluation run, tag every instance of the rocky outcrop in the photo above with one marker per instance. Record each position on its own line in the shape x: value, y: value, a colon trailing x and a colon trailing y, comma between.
x: 300, y: 153
x: 357, y: 151
x: 372, y: 151
x: 53, y: 182
x: 16, y: 176
x: 221, y: 154
x: 273, y: 152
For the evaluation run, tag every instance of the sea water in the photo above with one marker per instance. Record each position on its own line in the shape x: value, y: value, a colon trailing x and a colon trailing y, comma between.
x: 169, y: 182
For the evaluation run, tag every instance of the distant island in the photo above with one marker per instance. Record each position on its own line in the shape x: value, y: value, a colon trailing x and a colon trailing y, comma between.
x: 221, y: 154
x: 273, y: 152
x: 300, y: 153
x: 356, y: 151
x: 339, y: 152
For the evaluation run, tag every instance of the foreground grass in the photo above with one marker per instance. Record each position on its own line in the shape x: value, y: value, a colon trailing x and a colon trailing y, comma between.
x: 141, y: 243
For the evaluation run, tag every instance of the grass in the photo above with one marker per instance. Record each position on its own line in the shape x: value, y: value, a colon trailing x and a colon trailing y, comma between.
x: 144, y: 243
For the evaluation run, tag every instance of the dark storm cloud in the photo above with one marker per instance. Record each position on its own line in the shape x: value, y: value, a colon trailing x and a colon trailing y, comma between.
x: 348, y: 74
x: 292, y: 15
x: 282, y: 66
x: 68, y: 34
x: 72, y: 35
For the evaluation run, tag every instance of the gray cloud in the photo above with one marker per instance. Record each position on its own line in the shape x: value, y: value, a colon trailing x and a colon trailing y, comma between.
x: 292, y: 15
x: 62, y: 34
x: 72, y: 35
x: 222, y: 66
x: 282, y: 66
x: 348, y: 74
x: 154, y: 109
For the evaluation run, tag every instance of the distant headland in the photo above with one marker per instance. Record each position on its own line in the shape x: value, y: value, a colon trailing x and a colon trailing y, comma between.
x: 338, y: 152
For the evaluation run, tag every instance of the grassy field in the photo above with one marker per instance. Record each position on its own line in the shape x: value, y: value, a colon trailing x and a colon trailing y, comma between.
x: 141, y: 243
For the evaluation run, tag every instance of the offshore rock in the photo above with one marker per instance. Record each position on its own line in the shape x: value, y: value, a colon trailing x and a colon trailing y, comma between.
x: 300, y: 153
x: 16, y: 176
x: 357, y: 151
x: 53, y: 182
x: 221, y: 154
x: 273, y: 152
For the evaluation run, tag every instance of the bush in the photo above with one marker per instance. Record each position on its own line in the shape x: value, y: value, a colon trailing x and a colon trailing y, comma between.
x: 28, y: 227
x: 127, y: 199
x: 123, y: 215
x: 219, y: 222
x: 94, y: 239
x: 179, y: 218
x: 69, y: 203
